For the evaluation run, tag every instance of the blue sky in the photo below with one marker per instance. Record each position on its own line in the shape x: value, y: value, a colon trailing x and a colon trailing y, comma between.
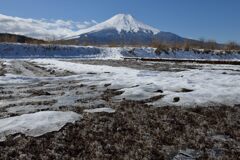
x: 209, y: 19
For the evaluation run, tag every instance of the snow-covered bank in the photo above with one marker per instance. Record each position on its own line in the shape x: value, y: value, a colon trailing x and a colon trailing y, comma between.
x: 200, y: 55
x: 61, y: 51
x: 36, y: 124
x: 212, y: 85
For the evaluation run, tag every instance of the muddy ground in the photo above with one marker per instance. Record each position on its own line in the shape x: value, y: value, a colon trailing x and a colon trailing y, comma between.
x: 134, y: 131
x: 147, y: 65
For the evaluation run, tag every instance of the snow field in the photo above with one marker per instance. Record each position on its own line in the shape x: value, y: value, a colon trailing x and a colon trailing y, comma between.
x: 210, y: 86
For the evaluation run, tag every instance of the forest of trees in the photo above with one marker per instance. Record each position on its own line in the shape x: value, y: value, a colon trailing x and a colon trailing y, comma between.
x: 12, y: 38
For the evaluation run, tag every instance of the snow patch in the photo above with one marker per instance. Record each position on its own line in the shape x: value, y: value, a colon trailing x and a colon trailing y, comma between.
x: 16, y: 79
x: 98, y: 110
x: 36, y: 124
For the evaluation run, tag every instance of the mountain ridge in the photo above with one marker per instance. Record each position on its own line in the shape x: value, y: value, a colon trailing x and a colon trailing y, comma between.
x: 124, y: 29
x: 121, y: 22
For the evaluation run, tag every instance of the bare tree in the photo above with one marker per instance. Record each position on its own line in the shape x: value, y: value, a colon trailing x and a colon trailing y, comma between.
x: 211, y: 44
x: 186, y: 46
x: 232, y: 46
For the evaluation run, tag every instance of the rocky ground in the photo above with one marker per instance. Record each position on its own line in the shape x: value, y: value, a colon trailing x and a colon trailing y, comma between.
x: 134, y: 131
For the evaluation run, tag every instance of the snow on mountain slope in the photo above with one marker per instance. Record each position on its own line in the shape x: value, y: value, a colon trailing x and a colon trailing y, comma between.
x: 121, y: 22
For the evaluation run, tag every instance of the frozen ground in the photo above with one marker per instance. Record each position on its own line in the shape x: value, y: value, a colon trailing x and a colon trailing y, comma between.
x: 206, y: 86
x: 128, y: 109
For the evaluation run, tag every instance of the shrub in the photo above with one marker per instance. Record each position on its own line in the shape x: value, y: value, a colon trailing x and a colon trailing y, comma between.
x: 207, y: 51
x: 161, y: 48
x: 196, y: 50
x: 176, y: 46
x: 186, y: 46
x: 211, y: 44
x: 232, y: 46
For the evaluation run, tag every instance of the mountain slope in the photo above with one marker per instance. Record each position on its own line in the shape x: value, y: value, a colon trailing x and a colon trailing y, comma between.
x: 124, y: 29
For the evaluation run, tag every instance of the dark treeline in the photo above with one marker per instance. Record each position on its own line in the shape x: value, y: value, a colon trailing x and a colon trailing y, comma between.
x: 207, y: 45
x: 13, y: 38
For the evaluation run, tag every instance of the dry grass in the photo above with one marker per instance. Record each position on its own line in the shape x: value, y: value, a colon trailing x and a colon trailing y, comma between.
x: 136, y: 131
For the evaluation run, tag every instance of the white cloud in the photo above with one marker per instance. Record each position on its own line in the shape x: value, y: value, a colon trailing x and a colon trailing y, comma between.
x: 42, y: 29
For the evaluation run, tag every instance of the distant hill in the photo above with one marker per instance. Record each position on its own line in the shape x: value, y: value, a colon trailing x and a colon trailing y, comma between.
x: 13, y: 38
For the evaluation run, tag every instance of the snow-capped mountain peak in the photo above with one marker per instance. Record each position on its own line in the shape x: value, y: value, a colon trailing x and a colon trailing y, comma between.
x: 127, y: 23
x: 121, y: 22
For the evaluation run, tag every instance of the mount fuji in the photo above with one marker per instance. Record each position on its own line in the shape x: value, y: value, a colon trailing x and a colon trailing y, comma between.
x: 123, y: 29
